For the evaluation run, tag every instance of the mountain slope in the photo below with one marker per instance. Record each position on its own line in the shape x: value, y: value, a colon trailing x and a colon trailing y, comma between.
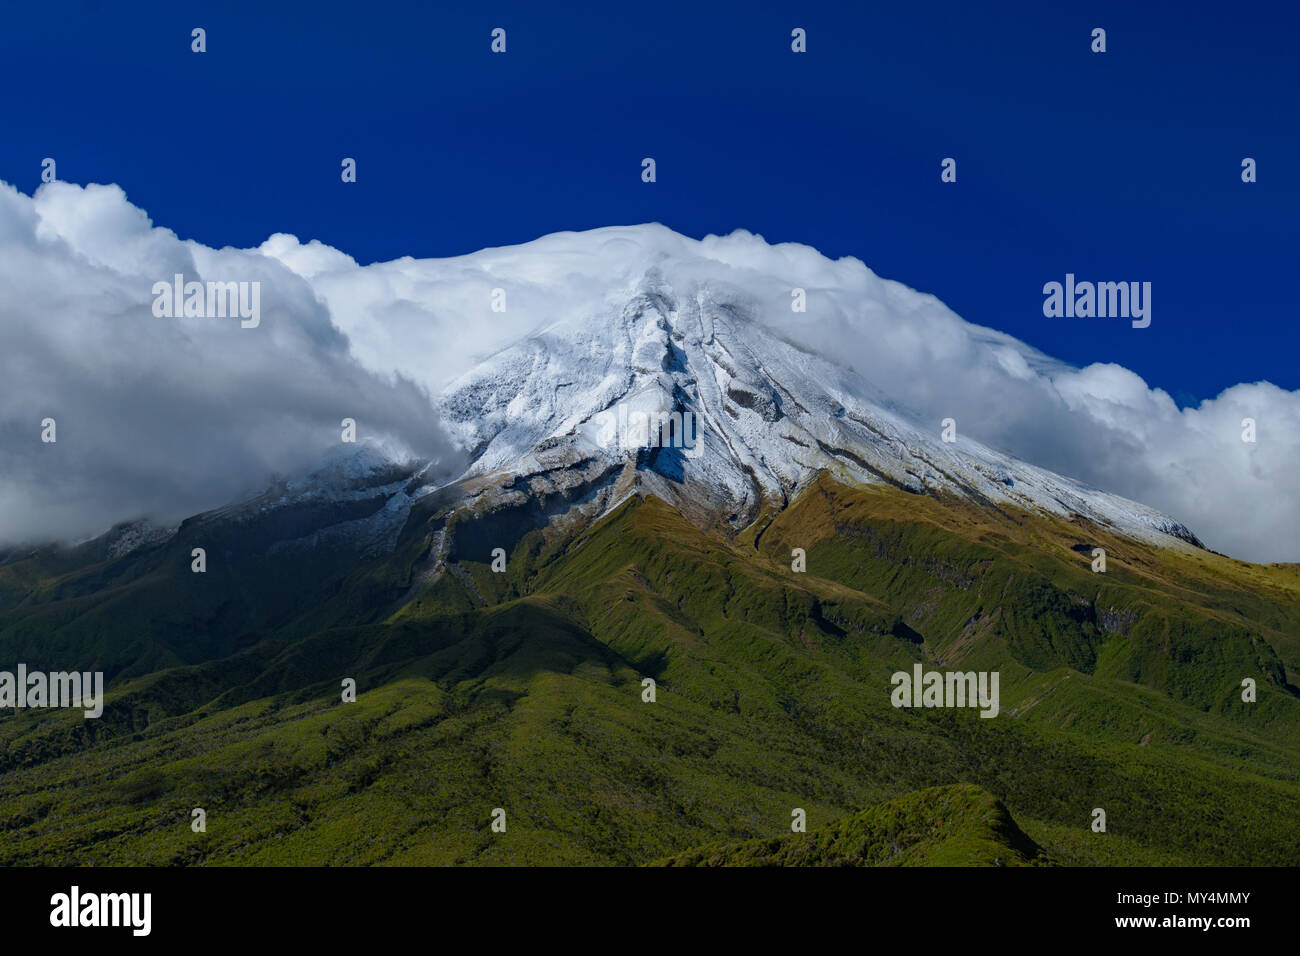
x: 942, y: 826
x: 523, y: 690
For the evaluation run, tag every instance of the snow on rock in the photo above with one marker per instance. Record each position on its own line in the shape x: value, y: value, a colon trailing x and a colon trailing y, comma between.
x: 768, y: 414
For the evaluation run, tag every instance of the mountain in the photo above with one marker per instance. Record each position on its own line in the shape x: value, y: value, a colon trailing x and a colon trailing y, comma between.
x: 522, y: 686
x: 768, y: 417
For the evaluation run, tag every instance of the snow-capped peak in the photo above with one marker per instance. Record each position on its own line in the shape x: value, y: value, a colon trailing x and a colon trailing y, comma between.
x: 551, y: 414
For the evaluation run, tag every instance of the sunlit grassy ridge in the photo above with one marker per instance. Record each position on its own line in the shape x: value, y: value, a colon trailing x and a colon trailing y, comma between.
x: 524, y: 691
x: 960, y: 825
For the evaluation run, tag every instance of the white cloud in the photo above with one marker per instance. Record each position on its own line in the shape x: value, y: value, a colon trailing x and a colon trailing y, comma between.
x: 160, y: 416
x: 174, y: 416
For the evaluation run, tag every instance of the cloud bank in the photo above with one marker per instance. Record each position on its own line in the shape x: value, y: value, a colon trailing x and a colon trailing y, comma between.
x: 171, y: 416
x: 162, y: 417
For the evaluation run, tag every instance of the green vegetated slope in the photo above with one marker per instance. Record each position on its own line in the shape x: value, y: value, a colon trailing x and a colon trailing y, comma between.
x: 960, y: 825
x: 523, y: 691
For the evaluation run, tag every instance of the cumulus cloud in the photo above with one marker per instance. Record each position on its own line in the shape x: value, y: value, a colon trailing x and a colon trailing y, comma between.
x: 154, y: 416
x: 170, y: 416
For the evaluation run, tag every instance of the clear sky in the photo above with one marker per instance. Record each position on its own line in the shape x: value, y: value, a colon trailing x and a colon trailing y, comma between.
x: 1117, y: 166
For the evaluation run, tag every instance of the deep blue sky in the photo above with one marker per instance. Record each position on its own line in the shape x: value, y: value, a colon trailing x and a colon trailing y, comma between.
x: 1122, y: 166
